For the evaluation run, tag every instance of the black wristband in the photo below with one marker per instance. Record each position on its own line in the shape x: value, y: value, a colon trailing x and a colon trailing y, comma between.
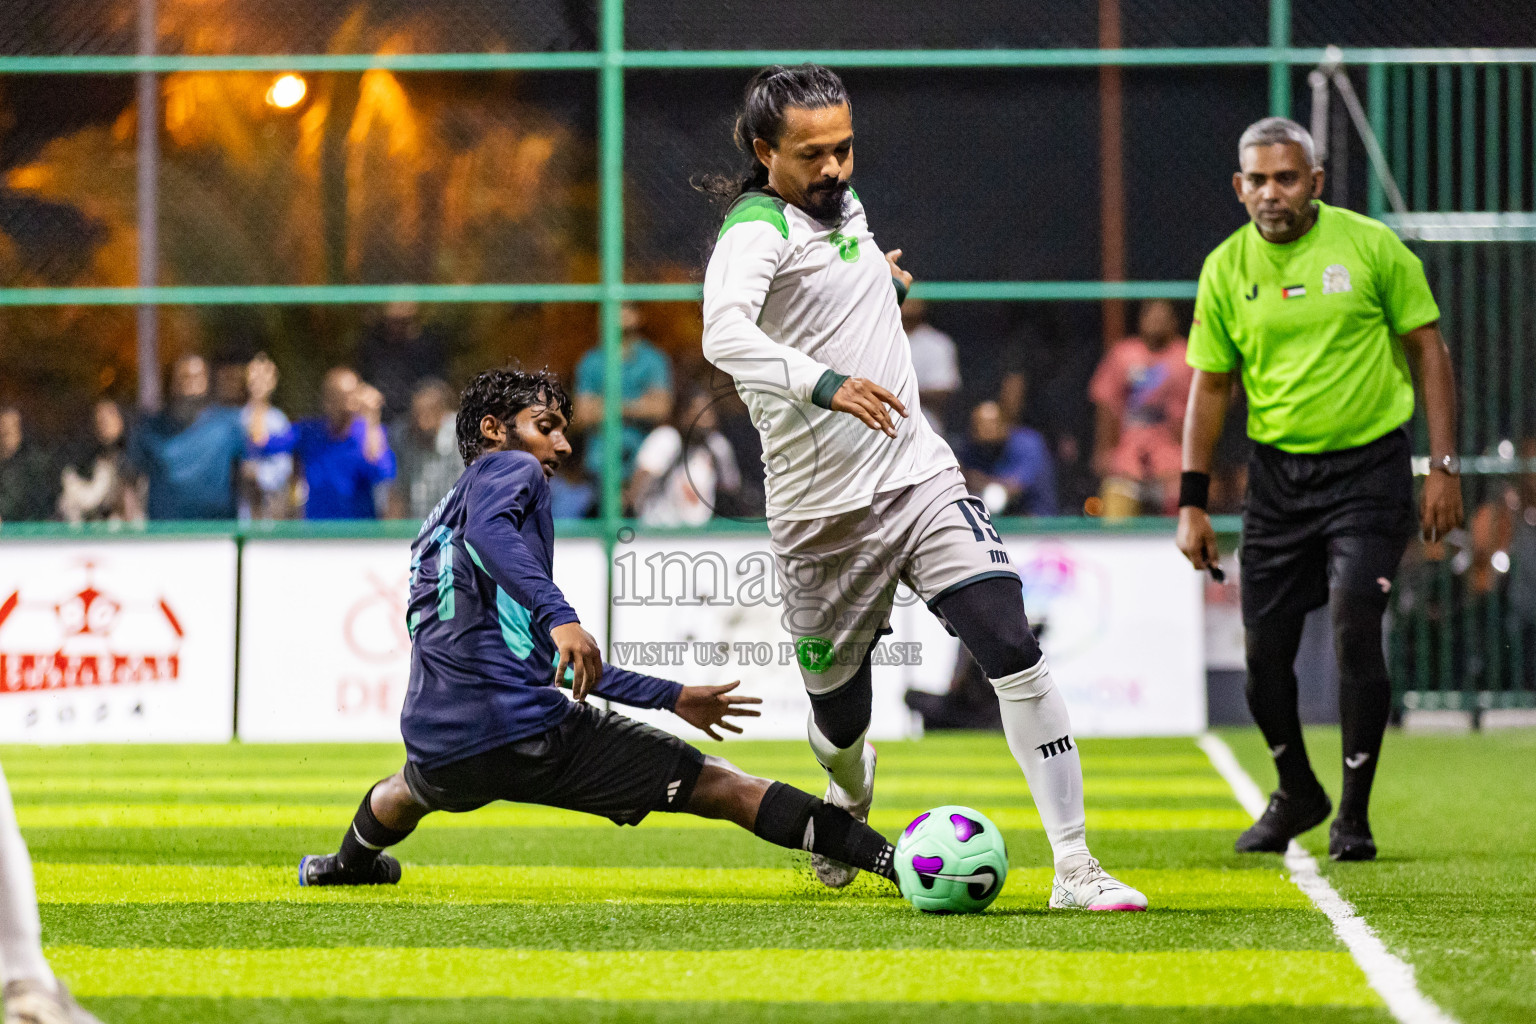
x: 1194, y: 489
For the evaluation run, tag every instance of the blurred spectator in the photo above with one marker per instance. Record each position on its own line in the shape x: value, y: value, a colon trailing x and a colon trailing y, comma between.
x: 99, y: 483
x: 1140, y: 390
x: 1503, y: 533
x: 572, y: 494
x: 646, y: 376
x: 933, y: 360
x: 683, y: 467
x: 397, y: 350
x: 189, y: 451
x: 265, y: 481
x: 750, y: 500
x: 426, y: 451
x: 344, y: 452
x: 1009, y: 467
x: 27, y: 480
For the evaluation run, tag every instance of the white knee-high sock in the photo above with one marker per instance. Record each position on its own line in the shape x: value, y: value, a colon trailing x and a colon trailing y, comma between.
x: 846, y: 765
x: 21, y: 948
x: 1040, y: 737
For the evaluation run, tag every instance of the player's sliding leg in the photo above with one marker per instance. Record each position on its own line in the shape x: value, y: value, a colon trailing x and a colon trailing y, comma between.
x: 838, y: 723
x: 789, y: 817
x: 32, y: 994
x: 1299, y: 803
x: 988, y: 616
x: 386, y: 816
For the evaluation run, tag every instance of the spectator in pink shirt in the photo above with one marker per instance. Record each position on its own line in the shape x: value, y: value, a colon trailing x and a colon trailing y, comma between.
x: 1140, y: 390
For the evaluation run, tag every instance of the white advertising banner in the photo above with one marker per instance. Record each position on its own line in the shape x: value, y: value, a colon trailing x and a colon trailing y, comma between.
x: 116, y: 641
x: 324, y: 653
x: 1120, y: 619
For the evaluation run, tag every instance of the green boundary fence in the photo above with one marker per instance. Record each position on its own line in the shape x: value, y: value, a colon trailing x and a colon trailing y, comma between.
x: 1399, y: 84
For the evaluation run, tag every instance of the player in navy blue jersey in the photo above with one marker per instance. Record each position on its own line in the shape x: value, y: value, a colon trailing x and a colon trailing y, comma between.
x: 492, y: 640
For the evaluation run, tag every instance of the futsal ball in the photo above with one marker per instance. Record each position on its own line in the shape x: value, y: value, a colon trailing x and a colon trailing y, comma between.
x: 951, y: 860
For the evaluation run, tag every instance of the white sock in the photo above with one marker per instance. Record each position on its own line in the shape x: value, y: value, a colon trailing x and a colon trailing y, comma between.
x: 844, y: 764
x: 1040, y: 737
x: 21, y: 946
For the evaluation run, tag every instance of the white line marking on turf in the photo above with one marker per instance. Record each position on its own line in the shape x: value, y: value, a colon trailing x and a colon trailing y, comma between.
x: 1387, y: 974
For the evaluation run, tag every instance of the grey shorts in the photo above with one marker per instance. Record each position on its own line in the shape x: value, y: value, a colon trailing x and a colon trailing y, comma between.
x: 839, y: 574
x: 595, y: 761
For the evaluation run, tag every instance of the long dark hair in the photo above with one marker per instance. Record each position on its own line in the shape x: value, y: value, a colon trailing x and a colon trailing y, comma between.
x: 770, y: 92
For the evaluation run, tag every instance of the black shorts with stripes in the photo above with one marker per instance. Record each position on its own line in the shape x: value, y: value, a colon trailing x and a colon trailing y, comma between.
x: 598, y: 762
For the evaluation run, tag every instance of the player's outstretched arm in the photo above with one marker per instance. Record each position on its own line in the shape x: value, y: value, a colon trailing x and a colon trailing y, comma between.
x: 707, y: 707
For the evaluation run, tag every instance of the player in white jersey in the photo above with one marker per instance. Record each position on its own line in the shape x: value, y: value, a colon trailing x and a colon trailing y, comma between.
x: 801, y: 308
x: 32, y: 994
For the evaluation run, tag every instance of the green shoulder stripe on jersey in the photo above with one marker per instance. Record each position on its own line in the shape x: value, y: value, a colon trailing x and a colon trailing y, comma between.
x: 756, y: 206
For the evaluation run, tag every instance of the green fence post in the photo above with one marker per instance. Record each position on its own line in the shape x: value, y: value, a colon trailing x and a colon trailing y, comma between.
x: 610, y: 309
x: 1376, y: 110
x: 1444, y: 165
x: 611, y: 185
x: 1279, y: 61
x: 1420, y: 200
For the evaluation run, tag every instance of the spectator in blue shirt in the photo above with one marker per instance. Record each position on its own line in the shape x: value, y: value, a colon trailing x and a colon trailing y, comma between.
x: 344, y: 451
x: 190, y: 452
x: 1013, y: 463
x: 646, y: 374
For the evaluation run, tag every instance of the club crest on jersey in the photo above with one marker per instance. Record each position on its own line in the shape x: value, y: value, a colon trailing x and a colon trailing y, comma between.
x: 847, y: 248
x: 815, y: 653
x: 1293, y: 291
x: 1336, y: 279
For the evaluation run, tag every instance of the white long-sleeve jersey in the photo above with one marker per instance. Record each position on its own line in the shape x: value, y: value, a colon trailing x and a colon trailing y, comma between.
x: 787, y: 299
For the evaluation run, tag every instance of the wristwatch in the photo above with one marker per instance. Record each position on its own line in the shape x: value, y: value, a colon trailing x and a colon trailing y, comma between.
x: 1450, y: 465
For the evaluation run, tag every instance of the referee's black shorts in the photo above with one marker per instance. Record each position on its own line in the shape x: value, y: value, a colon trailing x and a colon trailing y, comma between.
x: 1336, y: 520
x: 599, y: 762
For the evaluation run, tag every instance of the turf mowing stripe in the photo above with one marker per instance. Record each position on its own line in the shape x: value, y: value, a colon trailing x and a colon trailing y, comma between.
x: 1391, y: 977
x: 26, y: 764
x: 1183, y: 889
x: 1192, y: 978
x: 973, y: 786
x: 270, y: 815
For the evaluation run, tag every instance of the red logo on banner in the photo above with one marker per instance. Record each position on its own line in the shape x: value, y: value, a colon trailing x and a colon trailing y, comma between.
x: 88, y: 639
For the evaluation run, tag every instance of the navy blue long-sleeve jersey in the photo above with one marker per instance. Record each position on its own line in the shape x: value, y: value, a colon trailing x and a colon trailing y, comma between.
x: 482, y: 604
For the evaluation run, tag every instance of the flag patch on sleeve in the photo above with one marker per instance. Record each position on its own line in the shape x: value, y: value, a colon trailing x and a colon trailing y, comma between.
x: 1294, y: 291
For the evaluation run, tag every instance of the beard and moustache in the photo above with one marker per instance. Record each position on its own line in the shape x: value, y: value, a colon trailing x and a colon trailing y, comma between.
x: 824, y: 200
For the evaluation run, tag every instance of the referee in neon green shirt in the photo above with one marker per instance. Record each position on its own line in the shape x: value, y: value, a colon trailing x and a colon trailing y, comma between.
x: 1325, y: 313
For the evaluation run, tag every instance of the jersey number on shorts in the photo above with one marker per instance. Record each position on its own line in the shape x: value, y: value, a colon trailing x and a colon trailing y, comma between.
x: 442, y: 537
x: 980, y: 521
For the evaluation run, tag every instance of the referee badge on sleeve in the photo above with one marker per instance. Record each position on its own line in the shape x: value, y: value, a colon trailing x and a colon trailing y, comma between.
x: 1336, y: 279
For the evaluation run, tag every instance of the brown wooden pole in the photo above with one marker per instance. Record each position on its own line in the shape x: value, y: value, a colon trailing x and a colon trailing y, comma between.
x: 1111, y: 172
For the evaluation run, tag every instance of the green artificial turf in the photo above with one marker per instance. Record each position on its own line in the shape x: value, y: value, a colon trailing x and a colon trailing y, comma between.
x: 1453, y: 891
x: 166, y: 878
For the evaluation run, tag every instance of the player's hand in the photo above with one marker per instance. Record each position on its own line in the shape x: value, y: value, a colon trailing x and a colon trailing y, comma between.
x: 868, y: 400
x: 705, y: 707
x: 896, y: 272
x: 1197, y: 537
x: 1441, y: 512
x: 580, y: 653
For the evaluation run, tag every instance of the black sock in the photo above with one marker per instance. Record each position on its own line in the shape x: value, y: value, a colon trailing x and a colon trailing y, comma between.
x: 1272, y: 643
x: 1365, y: 695
x: 785, y: 813
x: 366, y: 838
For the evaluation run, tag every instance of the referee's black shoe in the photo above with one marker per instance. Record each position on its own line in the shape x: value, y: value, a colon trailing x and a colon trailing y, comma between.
x: 1351, y: 839
x: 1284, y: 819
x: 327, y: 870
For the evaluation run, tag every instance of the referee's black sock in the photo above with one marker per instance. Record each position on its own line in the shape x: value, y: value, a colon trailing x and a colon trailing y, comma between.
x: 1365, y: 694
x: 795, y: 819
x: 366, y: 838
x: 1272, y: 644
